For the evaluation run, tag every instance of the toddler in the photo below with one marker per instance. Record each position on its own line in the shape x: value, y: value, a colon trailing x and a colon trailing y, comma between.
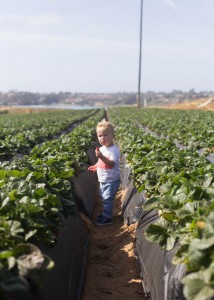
x: 107, y: 168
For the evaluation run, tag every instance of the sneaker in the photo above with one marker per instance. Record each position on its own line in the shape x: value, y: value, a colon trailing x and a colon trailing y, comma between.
x: 103, y: 221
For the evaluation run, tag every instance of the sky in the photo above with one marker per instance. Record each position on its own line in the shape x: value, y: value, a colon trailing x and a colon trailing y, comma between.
x: 92, y: 46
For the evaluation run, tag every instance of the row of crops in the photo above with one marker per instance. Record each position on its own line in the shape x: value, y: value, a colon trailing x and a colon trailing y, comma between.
x: 19, y: 133
x: 176, y: 181
x: 190, y: 128
x: 36, y: 190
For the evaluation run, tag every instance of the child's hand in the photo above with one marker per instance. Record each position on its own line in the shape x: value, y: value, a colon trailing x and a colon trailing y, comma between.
x: 97, y: 152
x: 92, y: 168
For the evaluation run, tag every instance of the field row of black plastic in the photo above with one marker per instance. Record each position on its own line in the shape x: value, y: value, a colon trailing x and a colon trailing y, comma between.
x: 40, y: 199
x: 170, y: 193
x: 160, y: 278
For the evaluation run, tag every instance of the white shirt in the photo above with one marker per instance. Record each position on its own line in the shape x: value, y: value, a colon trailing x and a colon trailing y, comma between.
x: 106, y: 173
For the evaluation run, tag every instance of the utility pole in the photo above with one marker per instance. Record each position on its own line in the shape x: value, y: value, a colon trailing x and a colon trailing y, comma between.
x: 140, y: 55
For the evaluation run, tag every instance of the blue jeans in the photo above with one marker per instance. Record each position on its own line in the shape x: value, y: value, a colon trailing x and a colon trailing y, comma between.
x: 108, y: 191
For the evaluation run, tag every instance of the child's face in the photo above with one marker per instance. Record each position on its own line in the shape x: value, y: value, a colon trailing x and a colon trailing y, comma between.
x: 105, y: 136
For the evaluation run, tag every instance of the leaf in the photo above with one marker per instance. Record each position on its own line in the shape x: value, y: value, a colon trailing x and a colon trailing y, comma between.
x: 160, y: 233
x: 2, y: 174
x: 30, y: 234
x: 13, y: 194
x: 164, y: 170
x: 5, y: 254
x: 11, y: 262
x: 66, y: 173
x: 23, y: 188
x: 208, y: 231
x: 208, y: 181
x: 39, y: 193
x: 151, y: 203
x: 141, y: 188
x: 67, y: 185
x: 197, y: 285
x: 170, y: 242
x: 48, y: 263
x: 33, y: 209
x: 186, y: 210
x: 164, y: 188
x: 2, y: 182
x: 5, y: 202
x: 181, y: 255
x: 24, y: 200
x: 197, y: 257
x: 206, y: 293
x: 15, y: 227
x: 169, y: 216
x: 210, y: 192
x: 171, y: 201
x: 206, y: 243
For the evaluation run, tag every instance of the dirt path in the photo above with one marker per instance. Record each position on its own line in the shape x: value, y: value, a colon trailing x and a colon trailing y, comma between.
x: 112, y: 271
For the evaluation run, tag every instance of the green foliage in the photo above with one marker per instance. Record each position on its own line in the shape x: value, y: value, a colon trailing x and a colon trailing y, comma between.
x: 178, y: 182
x: 36, y: 195
x: 21, y: 132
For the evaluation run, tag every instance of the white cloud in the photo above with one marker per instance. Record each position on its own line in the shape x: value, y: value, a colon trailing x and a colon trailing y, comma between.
x: 18, y: 19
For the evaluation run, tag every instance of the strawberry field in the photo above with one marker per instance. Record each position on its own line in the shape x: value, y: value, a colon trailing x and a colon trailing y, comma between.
x: 170, y: 157
x: 19, y: 133
x: 37, y: 189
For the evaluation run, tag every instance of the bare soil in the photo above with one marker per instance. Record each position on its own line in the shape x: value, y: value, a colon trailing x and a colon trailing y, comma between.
x: 112, y: 270
x: 23, y: 110
x: 198, y: 104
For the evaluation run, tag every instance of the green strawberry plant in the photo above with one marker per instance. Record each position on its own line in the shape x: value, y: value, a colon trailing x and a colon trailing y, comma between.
x: 20, y: 133
x: 179, y: 184
x: 36, y: 195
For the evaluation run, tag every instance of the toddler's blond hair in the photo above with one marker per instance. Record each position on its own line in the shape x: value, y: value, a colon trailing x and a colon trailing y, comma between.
x: 106, y: 125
